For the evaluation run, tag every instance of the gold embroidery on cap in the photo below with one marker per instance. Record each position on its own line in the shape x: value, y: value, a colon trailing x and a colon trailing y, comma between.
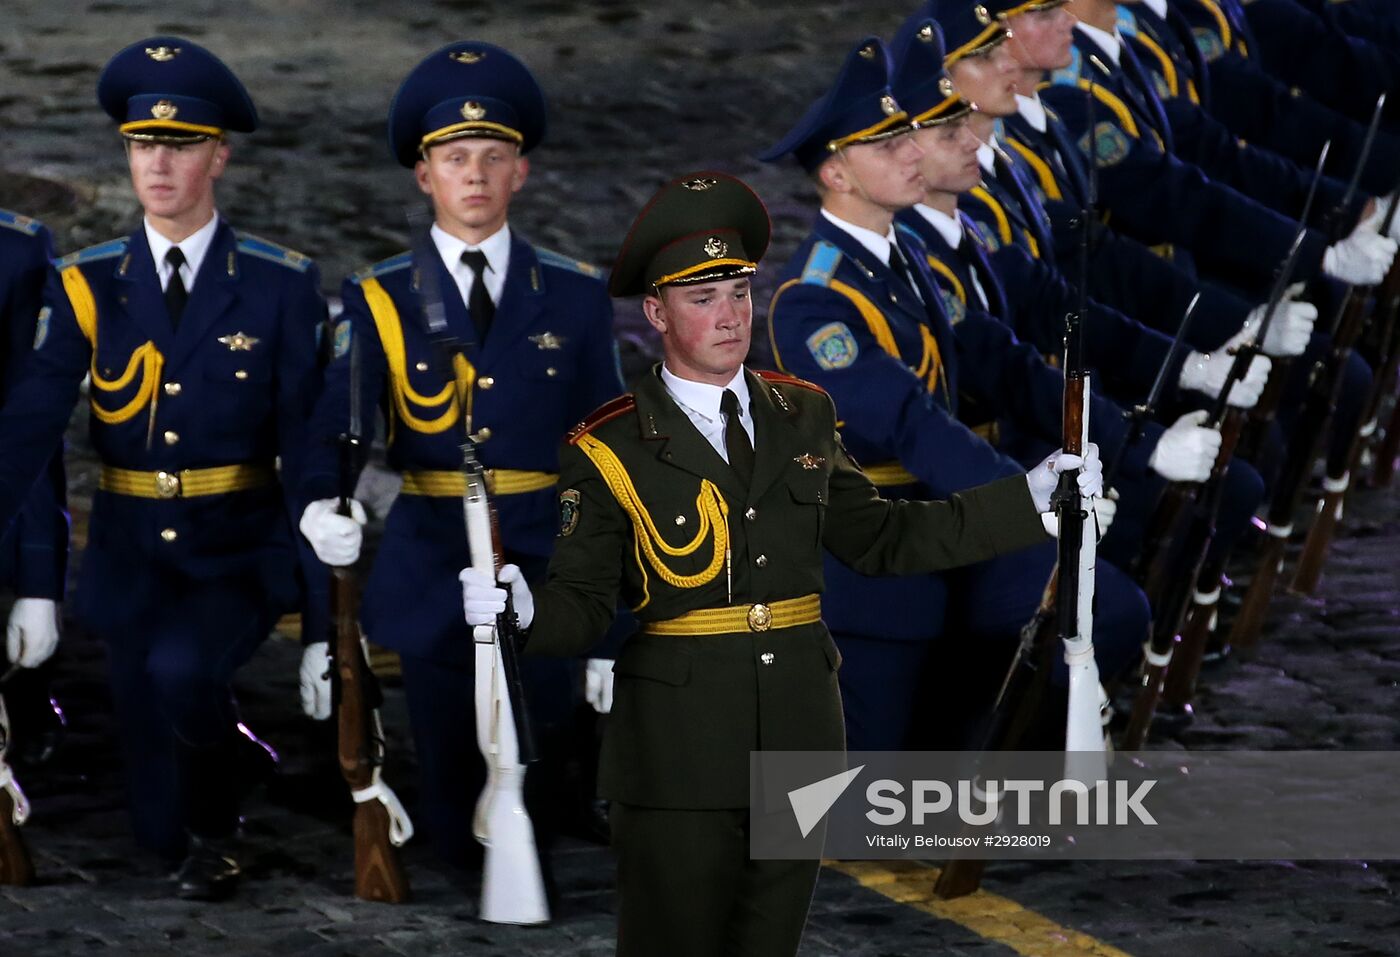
x: 700, y: 183
x: 467, y: 56
x: 162, y: 54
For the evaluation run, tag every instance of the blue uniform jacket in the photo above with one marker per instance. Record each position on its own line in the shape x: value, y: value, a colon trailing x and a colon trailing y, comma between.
x: 1157, y: 198
x: 1254, y: 105
x: 234, y: 385
x: 549, y: 359
x: 34, y: 554
x: 1124, y: 275
x: 1033, y: 298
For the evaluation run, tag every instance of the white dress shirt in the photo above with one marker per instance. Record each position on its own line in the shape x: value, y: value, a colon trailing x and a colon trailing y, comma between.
x: 1110, y: 43
x: 496, y: 247
x: 952, y: 231
x: 700, y: 403
x: 194, y: 246
x: 1158, y: 7
x: 1033, y: 111
x: 878, y: 245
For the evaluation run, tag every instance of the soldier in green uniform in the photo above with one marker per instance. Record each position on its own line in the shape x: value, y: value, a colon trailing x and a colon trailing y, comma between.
x: 705, y: 500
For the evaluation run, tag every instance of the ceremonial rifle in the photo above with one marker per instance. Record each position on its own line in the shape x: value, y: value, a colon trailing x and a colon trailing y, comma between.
x: 1329, y: 507
x: 512, y: 883
x: 1066, y: 608
x: 381, y: 825
x: 1183, y: 586
x: 16, y: 867
x: 1388, y: 448
x: 1324, y: 380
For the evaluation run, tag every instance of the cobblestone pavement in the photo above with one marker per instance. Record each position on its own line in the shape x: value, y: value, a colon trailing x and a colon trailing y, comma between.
x: 639, y: 92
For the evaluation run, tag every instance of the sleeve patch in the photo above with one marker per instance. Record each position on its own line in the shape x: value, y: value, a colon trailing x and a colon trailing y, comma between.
x: 1110, y: 146
x: 833, y: 346
x: 340, y: 341
x: 1208, y: 43
x: 41, y: 327
x: 569, y: 505
x: 952, y: 305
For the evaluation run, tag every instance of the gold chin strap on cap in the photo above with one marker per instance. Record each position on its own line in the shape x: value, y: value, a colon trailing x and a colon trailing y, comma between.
x: 709, y: 504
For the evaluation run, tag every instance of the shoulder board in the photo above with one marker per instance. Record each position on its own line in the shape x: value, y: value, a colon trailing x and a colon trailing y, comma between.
x: 604, y: 413
x: 23, y: 224
x: 549, y: 257
x: 272, y: 252
x: 394, y: 263
x: 909, y: 233
x: 821, y: 264
x: 1127, y: 23
x: 107, y: 250
x: 1069, y: 75
x: 768, y: 375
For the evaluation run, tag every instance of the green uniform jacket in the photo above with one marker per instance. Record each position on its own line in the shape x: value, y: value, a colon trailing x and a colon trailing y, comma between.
x: 639, y: 493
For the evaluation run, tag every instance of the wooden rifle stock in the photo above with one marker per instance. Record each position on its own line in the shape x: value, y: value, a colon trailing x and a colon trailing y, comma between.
x: 16, y: 866
x: 379, y: 874
x: 1320, y: 533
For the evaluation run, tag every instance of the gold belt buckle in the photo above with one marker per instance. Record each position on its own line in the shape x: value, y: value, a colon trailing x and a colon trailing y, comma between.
x: 760, y: 617
x: 167, y: 485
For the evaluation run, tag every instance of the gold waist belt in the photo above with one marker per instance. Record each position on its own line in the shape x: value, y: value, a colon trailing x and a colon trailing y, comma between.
x: 187, y: 483
x: 788, y: 613
x: 889, y: 473
x: 441, y: 483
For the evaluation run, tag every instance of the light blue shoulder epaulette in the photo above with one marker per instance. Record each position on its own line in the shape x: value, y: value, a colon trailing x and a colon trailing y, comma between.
x: 394, y: 263
x: 1127, y: 23
x: 23, y: 224
x: 550, y: 258
x: 821, y: 264
x: 107, y: 250
x: 908, y: 232
x: 272, y: 252
x: 1069, y: 75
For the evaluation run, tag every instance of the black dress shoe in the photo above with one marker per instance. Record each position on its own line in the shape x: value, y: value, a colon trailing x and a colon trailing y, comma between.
x: 210, y: 872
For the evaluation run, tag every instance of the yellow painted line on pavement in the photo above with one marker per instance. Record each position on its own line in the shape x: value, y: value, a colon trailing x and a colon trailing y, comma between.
x: 989, y: 915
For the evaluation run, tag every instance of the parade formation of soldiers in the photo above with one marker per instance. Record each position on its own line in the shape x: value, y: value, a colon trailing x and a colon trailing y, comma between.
x: 1207, y: 187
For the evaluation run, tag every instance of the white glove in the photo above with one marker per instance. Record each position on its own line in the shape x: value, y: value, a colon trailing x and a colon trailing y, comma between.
x: 1290, y: 330
x: 598, y: 684
x: 483, y: 599
x: 316, y: 681
x: 1043, y: 479
x: 1207, y: 371
x: 32, y: 634
x: 1186, y: 452
x: 1105, y: 510
x: 1373, y: 222
x: 1361, y: 259
x: 334, y: 537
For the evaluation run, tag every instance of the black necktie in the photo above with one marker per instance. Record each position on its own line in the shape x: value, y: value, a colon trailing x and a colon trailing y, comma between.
x: 899, y: 266
x: 175, y: 294
x: 736, y: 440
x: 480, y: 306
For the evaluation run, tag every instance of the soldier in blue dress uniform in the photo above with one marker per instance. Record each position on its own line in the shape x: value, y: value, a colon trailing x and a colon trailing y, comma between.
x: 201, y: 344
x: 858, y: 313
x: 537, y: 354
x: 34, y: 552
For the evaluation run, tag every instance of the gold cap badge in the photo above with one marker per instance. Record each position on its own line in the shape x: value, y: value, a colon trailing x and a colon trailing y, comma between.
x: 467, y: 56
x: 888, y: 104
x: 165, y: 110
x: 868, y: 52
x: 162, y: 54
x: 472, y: 110
x: 945, y: 86
x: 926, y: 33
x: 983, y: 17
x: 715, y: 247
x: 700, y: 183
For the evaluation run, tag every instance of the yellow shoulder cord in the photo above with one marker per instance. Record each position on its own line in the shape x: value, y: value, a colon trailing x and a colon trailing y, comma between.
x: 390, y: 328
x: 1041, y: 168
x: 1221, y: 21
x: 147, y: 357
x: 709, y: 504
x: 1003, y: 223
x: 1168, y: 67
x: 942, y: 268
